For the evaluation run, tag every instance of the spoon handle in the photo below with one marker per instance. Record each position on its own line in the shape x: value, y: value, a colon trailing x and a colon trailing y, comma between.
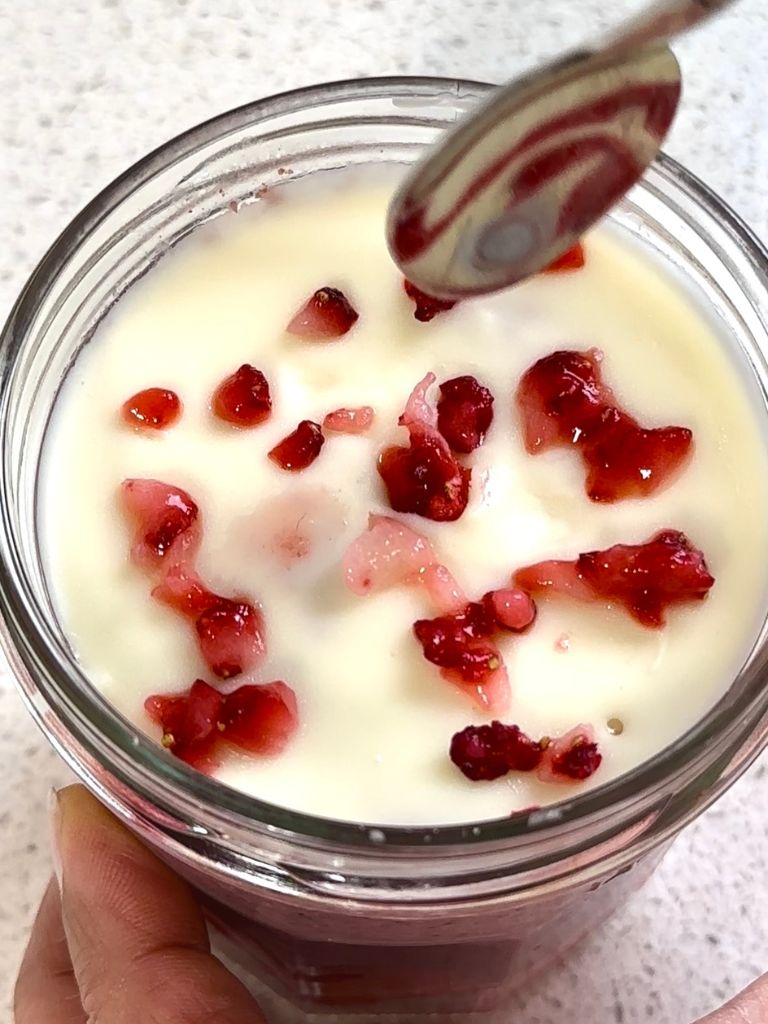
x: 664, y: 19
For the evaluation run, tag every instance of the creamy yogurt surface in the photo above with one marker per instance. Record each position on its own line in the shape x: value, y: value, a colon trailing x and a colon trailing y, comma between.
x: 376, y: 719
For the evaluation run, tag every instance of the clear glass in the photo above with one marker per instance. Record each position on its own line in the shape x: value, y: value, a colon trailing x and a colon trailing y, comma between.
x: 327, y: 916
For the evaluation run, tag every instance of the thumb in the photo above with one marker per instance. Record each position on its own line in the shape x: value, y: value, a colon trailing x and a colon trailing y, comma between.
x: 749, y: 1007
x: 136, y: 936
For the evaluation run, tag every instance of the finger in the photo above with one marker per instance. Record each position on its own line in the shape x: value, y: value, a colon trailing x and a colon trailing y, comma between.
x: 46, y: 989
x: 136, y: 935
x: 749, y: 1007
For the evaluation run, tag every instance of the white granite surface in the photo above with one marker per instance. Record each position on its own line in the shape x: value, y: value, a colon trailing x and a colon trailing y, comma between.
x: 88, y: 86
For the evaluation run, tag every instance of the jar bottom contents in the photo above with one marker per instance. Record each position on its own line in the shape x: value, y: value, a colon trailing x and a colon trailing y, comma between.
x: 465, y: 981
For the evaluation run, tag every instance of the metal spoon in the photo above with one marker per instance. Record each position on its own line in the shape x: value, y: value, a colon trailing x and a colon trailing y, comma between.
x: 520, y: 180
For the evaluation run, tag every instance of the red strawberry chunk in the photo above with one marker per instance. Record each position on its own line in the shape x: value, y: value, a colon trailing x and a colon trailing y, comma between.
x: 325, y: 316
x: 649, y: 578
x: 491, y: 694
x: 243, y: 399
x: 189, y: 722
x: 386, y: 554
x: 554, y: 577
x: 300, y: 448
x: 464, y: 413
x: 167, y: 521
x: 230, y: 632
x: 183, y: 590
x: 152, y: 409
x: 473, y: 660
x: 425, y: 478
x: 443, y: 589
x: 625, y: 460
x: 426, y: 306
x: 572, y: 259
x: 560, y: 398
x: 564, y: 402
x: 461, y: 642
x: 420, y: 414
x: 460, y: 645
x: 510, y: 608
x: 571, y: 758
x: 458, y: 642
x: 349, y: 421
x: 260, y: 719
x: 389, y: 554
x: 486, y: 752
x: 646, y: 579
x: 231, y: 637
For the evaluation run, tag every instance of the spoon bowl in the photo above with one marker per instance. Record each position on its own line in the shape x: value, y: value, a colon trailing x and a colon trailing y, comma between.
x: 518, y: 182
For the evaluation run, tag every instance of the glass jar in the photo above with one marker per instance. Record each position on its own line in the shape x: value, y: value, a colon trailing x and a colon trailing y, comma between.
x: 326, y: 916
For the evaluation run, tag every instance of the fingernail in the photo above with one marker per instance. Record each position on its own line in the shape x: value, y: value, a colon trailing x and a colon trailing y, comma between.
x: 54, y: 827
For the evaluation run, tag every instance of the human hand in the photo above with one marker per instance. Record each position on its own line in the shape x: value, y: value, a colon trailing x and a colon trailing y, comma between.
x: 123, y: 940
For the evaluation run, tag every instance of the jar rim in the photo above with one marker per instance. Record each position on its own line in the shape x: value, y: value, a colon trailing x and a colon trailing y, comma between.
x: 100, y: 728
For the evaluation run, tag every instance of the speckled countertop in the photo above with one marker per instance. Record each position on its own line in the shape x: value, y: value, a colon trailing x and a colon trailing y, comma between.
x: 89, y: 86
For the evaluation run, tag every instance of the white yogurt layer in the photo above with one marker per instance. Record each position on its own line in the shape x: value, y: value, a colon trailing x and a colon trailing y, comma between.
x: 376, y: 718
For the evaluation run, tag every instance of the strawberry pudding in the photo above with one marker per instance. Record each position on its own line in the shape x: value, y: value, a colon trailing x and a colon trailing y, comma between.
x: 380, y: 557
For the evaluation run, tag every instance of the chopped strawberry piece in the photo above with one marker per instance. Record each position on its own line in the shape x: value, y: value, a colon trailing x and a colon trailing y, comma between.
x: 386, y: 554
x: 625, y: 460
x: 473, y: 621
x: 646, y: 579
x: 571, y: 758
x: 152, y: 409
x: 243, y: 398
x: 420, y: 415
x: 389, y: 554
x: 461, y: 643
x: 486, y: 752
x: 473, y: 660
x: 257, y: 719
x: 349, y: 421
x: 510, y: 608
x: 424, y: 478
x: 492, y: 693
x: 230, y: 633
x: 231, y: 636
x: 444, y: 592
x: 564, y: 402
x: 555, y: 576
x: 458, y: 642
x: 300, y: 448
x: 572, y: 259
x: 183, y: 590
x: 464, y: 413
x: 560, y: 398
x: 649, y: 578
x: 426, y: 306
x: 325, y: 316
x: 189, y: 723
x: 260, y: 719
x: 167, y: 519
